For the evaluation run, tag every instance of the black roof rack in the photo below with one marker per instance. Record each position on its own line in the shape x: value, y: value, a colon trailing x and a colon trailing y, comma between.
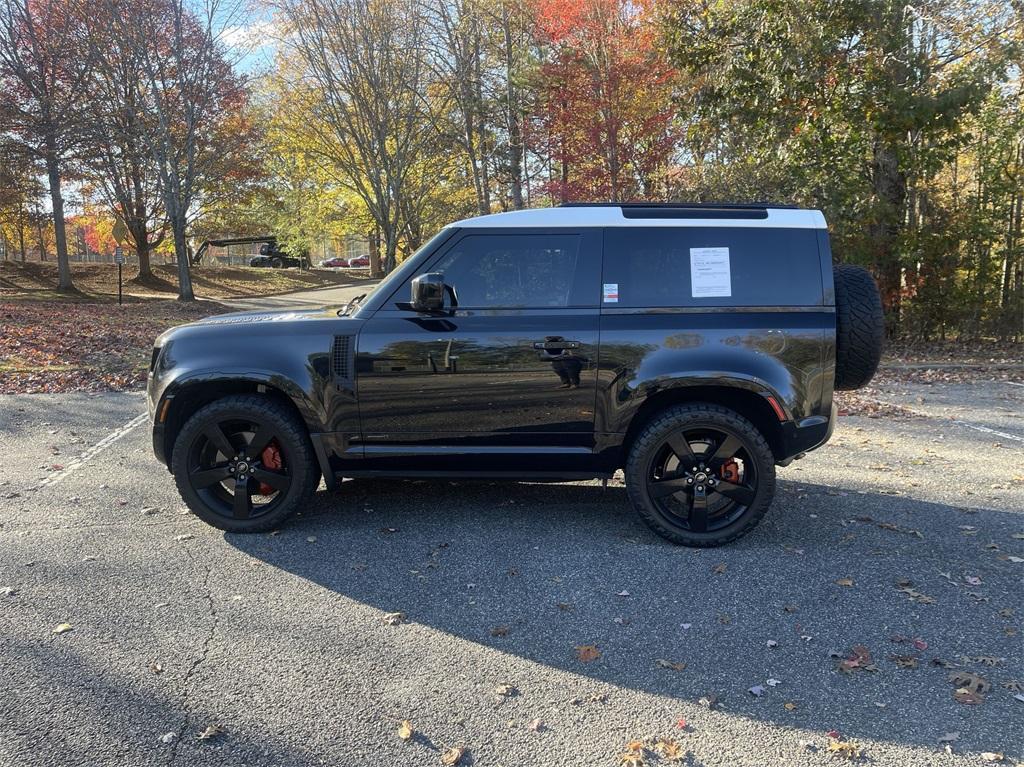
x: 725, y: 205
x: 732, y: 210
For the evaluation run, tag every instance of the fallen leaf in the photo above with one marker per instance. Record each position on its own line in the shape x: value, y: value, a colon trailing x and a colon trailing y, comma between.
x: 623, y: 593
x: 535, y: 726
x: 904, y: 661
x: 720, y: 568
x: 405, y: 730
x: 970, y: 681
x: 790, y: 608
x: 184, y: 537
x: 393, y: 619
x: 772, y: 643
x: 63, y: 628
x: 1014, y: 685
x: 506, y: 691
x: 633, y: 756
x: 499, y: 631
x: 844, y: 582
x: 847, y: 749
x: 210, y: 732
x: 156, y: 668
x: 668, y: 749
x: 757, y: 690
x: 681, y: 724
x: 972, y: 580
x: 168, y: 737
x: 773, y: 682
x: 987, y: 660
x: 453, y: 756
x: 587, y: 653
x: 991, y: 756
x: 789, y: 706
x: 662, y: 663
x: 708, y: 701
x: 8, y: 591
x: 311, y: 539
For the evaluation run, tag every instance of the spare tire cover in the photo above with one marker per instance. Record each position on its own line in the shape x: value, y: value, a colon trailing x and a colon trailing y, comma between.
x: 860, y: 326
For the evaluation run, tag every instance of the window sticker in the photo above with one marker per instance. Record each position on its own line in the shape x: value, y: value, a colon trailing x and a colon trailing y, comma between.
x: 709, y: 272
x: 611, y: 292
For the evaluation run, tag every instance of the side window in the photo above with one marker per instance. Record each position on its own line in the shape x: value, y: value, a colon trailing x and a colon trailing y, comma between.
x: 516, y: 271
x: 739, y: 266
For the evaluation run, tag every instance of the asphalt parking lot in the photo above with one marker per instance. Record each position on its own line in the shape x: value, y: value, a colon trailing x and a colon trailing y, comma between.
x: 895, y: 552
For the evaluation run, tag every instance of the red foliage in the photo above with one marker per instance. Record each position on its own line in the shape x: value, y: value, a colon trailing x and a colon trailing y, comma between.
x: 607, y: 116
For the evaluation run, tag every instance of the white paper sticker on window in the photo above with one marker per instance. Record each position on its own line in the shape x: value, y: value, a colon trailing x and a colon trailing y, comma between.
x: 709, y: 272
x: 611, y: 292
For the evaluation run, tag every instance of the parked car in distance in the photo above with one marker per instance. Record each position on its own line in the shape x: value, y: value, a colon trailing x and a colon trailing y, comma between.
x: 362, y: 261
x: 694, y: 347
x: 334, y: 263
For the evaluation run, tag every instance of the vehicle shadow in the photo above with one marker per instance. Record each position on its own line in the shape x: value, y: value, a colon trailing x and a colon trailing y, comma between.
x: 538, y: 570
x: 61, y: 707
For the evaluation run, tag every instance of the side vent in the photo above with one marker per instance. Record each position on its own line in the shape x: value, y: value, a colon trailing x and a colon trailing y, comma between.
x: 341, y: 357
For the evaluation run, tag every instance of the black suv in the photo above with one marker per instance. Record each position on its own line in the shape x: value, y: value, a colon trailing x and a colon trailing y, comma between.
x: 694, y: 347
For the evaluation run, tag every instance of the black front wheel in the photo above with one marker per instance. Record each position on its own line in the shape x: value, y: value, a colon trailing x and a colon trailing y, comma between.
x: 700, y: 475
x: 244, y: 463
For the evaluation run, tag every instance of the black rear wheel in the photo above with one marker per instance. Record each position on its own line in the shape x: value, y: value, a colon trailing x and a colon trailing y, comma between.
x: 244, y: 463
x: 700, y: 475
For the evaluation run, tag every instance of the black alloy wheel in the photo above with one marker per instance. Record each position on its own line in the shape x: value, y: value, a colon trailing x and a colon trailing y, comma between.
x: 700, y: 475
x: 244, y: 463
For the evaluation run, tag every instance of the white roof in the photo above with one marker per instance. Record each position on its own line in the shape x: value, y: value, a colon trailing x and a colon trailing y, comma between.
x: 787, y: 218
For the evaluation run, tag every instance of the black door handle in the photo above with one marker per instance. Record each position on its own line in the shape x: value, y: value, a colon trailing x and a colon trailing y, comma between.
x: 556, y: 345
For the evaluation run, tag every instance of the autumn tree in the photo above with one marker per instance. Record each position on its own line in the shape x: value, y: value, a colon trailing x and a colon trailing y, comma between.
x: 365, y: 59
x: 855, y: 106
x: 606, y: 116
x: 44, y: 68
x: 190, y: 92
x: 117, y: 159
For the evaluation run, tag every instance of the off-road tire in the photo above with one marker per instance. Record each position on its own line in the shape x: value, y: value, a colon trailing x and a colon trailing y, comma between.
x: 290, y: 432
x: 860, y: 326
x: 698, y: 415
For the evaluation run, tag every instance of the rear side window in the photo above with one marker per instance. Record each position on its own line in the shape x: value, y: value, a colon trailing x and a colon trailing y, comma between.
x: 710, y: 266
x: 516, y: 271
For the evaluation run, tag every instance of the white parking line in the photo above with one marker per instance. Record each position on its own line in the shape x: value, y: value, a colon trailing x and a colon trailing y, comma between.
x: 987, y: 430
x: 1014, y: 383
x: 93, y: 451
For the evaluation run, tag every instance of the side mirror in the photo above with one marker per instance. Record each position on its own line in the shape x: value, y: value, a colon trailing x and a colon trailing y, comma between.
x: 428, y: 293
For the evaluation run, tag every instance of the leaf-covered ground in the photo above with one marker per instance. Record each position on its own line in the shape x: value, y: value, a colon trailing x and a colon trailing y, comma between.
x: 63, y: 346
x: 33, y: 280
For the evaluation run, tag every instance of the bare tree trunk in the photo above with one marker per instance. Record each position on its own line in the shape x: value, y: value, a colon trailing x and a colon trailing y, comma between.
x: 890, y: 189
x: 515, y: 134
x: 64, y: 283
x: 185, y: 292
x: 21, y: 234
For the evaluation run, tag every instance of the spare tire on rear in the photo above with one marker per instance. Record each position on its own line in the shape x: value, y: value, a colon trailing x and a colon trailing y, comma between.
x: 860, y: 326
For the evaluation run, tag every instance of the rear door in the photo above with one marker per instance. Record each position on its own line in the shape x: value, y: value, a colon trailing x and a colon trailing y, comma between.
x: 510, y: 372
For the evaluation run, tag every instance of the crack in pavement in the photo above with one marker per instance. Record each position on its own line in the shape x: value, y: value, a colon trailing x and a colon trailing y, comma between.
x: 204, y: 652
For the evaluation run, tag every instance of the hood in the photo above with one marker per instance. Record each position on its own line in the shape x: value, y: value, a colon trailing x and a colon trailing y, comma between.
x: 265, y: 324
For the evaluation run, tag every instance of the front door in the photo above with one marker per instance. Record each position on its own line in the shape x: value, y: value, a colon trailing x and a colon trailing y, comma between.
x: 509, y: 374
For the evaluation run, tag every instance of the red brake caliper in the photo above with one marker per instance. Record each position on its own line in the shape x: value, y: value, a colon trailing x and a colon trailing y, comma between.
x: 731, y: 471
x: 271, y: 458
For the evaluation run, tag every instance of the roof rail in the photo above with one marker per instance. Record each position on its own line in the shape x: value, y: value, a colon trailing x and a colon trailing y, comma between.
x: 724, y: 205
